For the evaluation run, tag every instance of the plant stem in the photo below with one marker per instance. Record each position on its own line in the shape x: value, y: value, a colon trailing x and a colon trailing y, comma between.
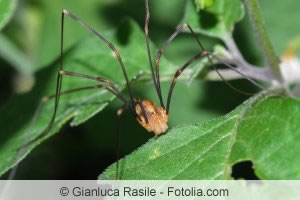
x: 272, y: 60
x: 258, y: 73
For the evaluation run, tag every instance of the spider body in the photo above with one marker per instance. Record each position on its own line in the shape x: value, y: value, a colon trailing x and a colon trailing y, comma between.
x: 152, y: 117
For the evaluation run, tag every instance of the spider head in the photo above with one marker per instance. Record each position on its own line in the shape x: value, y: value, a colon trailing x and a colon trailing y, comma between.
x: 157, y: 117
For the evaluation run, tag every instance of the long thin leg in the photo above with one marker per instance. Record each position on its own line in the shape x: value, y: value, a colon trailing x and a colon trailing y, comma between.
x: 226, y: 64
x: 238, y: 72
x: 47, y: 98
x: 147, y: 18
x: 170, y: 39
x: 44, y: 100
x: 58, y: 88
x: 119, y: 113
x: 193, y: 59
x: 56, y: 96
x: 179, y: 71
x: 208, y: 54
x: 108, y: 84
x: 66, y: 12
x: 138, y: 101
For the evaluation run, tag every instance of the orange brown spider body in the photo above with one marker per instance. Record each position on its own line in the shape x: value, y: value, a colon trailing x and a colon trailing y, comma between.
x: 157, y: 116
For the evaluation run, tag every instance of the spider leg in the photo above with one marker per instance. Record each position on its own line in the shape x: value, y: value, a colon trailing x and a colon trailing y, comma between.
x: 119, y: 113
x: 179, y: 30
x: 156, y: 83
x: 203, y: 53
x: 110, y: 45
x: 107, y: 85
x: 179, y: 71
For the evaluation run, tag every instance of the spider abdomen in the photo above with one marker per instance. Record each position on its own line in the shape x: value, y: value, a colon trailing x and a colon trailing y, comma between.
x: 157, y: 117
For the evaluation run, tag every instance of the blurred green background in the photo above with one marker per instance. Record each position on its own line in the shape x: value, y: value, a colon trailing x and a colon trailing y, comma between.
x: 32, y: 41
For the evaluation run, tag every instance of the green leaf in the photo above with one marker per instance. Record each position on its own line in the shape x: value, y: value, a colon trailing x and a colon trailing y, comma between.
x: 50, y: 12
x: 204, y: 4
x: 91, y: 56
x: 217, y: 21
x: 7, y: 8
x: 264, y: 129
x: 12, y: 54
x: 40, y: 23
x: 288, y: 29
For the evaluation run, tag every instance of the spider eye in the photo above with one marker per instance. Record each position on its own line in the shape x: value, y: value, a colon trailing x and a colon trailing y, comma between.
x: 153, y: 113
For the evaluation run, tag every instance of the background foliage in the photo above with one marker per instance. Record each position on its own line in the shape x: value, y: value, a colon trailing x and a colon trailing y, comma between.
x: 32, y: 40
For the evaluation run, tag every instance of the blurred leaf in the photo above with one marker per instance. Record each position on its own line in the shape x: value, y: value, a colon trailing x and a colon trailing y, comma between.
x: 41, y: 23
x: 204, y: 4
x: 7, y: 8
x: 15, y: 56
x: 283, y: 26
x: 217, y: 21
x: 254, y: 131
x: 91, y: 56
x: 49, y: 36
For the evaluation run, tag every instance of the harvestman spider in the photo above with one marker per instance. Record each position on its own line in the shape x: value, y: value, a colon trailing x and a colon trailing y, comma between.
x: 152, y: 117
